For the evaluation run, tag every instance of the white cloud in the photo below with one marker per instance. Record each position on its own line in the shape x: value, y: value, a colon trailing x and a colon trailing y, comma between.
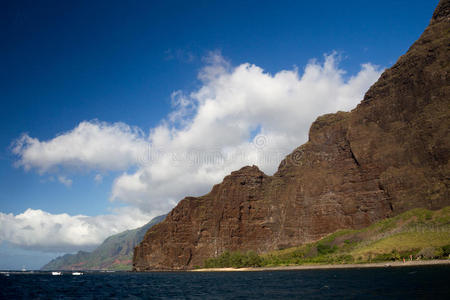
x: 64, y: 180
x: 209, y: 133
x: 92, y: 145
x: 98, y: 178
x: 40, y: 230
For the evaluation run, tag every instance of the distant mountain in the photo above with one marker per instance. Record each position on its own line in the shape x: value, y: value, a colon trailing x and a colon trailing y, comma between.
x: 115, y: 253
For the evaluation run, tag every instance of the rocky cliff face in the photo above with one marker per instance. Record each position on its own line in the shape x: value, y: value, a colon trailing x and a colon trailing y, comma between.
x: 388, y: 155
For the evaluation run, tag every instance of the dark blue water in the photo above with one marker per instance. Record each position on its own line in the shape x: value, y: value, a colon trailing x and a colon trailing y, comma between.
x: 380, y: 283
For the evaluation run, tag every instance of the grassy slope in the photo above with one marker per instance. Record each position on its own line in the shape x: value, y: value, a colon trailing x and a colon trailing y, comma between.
x: 421, y: 233
x: 115, y: 253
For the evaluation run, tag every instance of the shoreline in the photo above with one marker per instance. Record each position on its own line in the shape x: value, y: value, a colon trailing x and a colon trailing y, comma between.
x: 394, y: 264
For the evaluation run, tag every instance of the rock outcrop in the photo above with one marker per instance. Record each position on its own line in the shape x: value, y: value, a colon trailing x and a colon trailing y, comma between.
x: 388, y: 155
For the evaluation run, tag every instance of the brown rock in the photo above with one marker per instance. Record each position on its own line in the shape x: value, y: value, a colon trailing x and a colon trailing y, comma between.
x: 388, y: 155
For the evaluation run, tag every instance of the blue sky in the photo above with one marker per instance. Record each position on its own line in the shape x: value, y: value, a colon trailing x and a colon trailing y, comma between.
x: 162, y: 66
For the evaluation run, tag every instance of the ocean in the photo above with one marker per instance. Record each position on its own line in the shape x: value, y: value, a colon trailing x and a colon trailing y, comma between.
x: 422, y: 282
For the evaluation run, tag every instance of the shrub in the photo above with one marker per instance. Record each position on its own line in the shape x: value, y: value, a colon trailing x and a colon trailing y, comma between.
x: 385, y: 257
x: 430, y: 253
x: 252, y: 259
x: 345, y: 259
x: 446, y: 250
x: 324, y: 249
x: 235, y: 260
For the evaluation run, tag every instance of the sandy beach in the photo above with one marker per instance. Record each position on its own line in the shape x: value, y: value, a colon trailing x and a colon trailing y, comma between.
x: 330, y: 266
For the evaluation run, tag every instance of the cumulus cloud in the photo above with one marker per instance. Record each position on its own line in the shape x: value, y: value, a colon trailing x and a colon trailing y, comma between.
x: 92, y: 145
x: 40, y: 230
x: 239, y: 116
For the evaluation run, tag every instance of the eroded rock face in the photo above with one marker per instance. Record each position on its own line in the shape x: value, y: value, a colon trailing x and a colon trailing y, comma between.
x: 388, y: 155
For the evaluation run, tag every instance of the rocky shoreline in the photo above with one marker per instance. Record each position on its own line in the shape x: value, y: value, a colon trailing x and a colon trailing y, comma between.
x: 333, y: 266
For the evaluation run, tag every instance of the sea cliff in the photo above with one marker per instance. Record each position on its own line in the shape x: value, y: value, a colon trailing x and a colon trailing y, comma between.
x: 388, y: 155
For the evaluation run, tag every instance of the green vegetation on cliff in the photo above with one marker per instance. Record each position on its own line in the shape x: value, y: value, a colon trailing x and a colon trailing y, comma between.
x: 115, y: 253
x: 418, y: 234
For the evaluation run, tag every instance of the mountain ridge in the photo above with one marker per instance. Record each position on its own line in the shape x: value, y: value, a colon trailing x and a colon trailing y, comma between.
x: 388, y: 155
x: 114, y: 253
